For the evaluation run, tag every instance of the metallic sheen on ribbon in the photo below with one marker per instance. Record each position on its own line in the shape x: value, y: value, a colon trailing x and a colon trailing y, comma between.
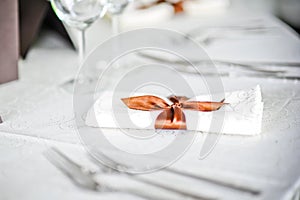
x: 172, y: 116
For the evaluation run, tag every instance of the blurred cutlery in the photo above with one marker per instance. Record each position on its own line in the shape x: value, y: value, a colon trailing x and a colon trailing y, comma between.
x: 225, y: 183
x: 85, y: 178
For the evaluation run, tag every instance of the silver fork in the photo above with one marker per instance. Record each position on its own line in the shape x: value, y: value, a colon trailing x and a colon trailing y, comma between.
x: 116, y: 167
x: 256, y: 24
x: 216, y: 35
x: 79, y: 175
x: 82, y: 176
x: 246, y: 66
x: 232, y: 185
x: 217, y: 32
x: 85, y: 178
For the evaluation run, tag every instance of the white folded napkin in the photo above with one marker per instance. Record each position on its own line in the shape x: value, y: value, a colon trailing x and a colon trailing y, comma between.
x: 134, y: 18
x: 242, y: 116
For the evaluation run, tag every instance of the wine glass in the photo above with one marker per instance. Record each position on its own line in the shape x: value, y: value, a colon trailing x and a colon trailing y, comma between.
x: 79, y: 14
x: 115, y: 8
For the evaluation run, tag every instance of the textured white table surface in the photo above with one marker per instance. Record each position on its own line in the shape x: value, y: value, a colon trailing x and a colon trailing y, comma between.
x: 37, y: 113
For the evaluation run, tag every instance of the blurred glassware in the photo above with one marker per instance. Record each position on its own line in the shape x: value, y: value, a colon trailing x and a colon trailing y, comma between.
x: 115, y: 8
x: 79, y: 14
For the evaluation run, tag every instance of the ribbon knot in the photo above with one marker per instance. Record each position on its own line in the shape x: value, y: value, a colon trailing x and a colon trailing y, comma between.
x: 172, y: 116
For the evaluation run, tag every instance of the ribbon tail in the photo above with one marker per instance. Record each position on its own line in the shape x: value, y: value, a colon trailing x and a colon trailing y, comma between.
x: 172, y: 118
x: 204, y: 106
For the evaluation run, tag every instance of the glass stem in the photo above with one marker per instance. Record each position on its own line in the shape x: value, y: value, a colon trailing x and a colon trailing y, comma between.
x: 116, y: 24
x: 81, y: 47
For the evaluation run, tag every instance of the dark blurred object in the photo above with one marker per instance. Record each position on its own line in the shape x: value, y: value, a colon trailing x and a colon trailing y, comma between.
x: 289, y: 11
x: 52, y: 22
x: 34, y: 14
x: 20, y: 24
x: 1, y: 120
x: 9, y: 40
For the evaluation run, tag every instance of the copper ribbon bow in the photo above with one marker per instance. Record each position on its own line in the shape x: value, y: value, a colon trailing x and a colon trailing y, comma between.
x: 172, y: 116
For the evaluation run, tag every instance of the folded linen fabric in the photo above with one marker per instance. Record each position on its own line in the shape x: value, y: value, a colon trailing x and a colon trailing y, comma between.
x: 242, y: 115
x: 134, y: 17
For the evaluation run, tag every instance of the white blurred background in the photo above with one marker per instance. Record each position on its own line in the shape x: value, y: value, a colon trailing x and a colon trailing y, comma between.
x: 287, y: 10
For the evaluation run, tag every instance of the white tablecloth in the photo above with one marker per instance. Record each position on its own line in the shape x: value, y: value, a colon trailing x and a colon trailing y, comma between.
x: 37, y: 113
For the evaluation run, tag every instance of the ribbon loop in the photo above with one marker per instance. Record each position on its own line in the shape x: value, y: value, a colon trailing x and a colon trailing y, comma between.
x: 172, y: 116
x: 146, y: 103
